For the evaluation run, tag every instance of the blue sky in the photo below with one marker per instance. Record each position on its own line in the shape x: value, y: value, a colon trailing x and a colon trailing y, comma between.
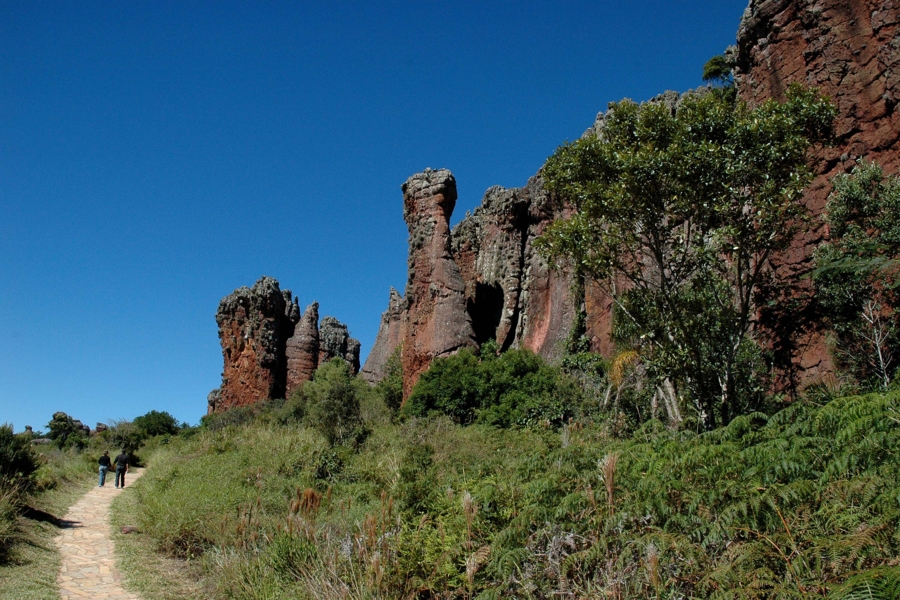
x: 156, y: 156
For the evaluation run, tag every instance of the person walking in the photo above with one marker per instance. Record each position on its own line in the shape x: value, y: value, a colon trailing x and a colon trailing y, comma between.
x: 104, y: 467
x: 122, y: 462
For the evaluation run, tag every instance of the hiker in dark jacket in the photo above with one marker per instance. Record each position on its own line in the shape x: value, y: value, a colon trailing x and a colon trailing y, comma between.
x: 104, y: 467
x: 122, y: 462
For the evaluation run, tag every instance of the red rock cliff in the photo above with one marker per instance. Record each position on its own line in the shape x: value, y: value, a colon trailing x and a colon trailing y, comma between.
x: 850, y: 50
x: 268, y: 348
x: 436, y: 322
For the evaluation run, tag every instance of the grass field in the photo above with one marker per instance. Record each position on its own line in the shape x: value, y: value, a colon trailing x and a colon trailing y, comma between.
x: 804, y: 503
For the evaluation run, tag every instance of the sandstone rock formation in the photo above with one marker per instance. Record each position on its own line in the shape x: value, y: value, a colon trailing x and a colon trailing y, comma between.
x: 512, y: 294
x: 302, y: 348
x: 850, y: 50
x: 484, y: 280
x: 388, y: 340
x: 253, y: 330
x: 335, y: 340
x: 269, y: 348
x: 436, y: 321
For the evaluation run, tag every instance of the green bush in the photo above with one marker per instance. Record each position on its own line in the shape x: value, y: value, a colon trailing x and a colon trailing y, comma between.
x: 516, y: 388
x: 333, y: 403
x: 17, y: 458
x: 156, y: 423
x: 390, y: 388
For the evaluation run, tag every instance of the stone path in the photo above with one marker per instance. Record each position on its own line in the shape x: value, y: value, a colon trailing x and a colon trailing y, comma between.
x: 88, y: 564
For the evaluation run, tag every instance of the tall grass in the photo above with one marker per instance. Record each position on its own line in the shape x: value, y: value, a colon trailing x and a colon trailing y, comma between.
x: 805, y: 503
x: 29, y: 566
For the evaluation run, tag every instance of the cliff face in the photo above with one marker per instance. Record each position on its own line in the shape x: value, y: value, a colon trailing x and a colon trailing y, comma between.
x: 388, y: 340
x: 436, y: 322
x: 269, y: 348
x: 847, y: 48
x: 850, y: 50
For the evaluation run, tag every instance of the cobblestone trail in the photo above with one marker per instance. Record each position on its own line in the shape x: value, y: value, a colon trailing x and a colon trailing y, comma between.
x: 88, y: 564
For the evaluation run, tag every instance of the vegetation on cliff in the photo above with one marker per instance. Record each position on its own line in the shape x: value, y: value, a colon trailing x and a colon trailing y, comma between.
x: 678, y: 210
x: 857, y: 274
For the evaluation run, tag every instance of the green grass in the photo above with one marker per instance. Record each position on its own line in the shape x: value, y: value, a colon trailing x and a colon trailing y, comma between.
x: 152, y: 575
x: 33, y: 562
x: 805, y: 503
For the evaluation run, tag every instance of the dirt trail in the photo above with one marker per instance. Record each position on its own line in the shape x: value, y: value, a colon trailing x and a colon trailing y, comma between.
x: 88, y: 563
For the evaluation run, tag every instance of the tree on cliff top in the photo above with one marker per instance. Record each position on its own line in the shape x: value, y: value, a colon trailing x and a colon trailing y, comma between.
x: 678, y: 212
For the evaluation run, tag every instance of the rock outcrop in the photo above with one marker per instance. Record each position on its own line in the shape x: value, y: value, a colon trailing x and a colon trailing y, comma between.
x: 335, y: 340
x: 850, y: 50
x: 302, y: 348
x: 253, y: 330
x: 269, y: 348
x: 512, y: 294
x: 388, y: 340
x: 484, y: 280
x: 436, y: 321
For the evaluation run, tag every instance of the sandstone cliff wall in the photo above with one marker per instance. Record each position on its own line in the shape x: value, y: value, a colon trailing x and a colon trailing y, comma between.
x: 269, y: 348
x: 847, y: 48
x: 850, y: 50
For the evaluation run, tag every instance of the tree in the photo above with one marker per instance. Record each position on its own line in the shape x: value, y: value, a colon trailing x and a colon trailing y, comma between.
x: 719, y: 70
x: 125, y: 435
x: 156, y: 423
x: 857, y: 273
x: 678, y: 212
x: 63, y: 430
x: 332, y: 402
x: 17, y: 459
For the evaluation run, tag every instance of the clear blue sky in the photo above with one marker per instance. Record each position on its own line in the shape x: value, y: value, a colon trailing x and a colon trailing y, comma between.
x: 156, y: 156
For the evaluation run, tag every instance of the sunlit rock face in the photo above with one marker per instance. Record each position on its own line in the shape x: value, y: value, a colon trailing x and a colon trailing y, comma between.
x: 436, y: 321
x: 269, y: 348
x: 487, y: 263
x: 850, y: 50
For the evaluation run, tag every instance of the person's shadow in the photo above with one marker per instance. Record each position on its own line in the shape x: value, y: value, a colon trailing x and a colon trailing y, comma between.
x: 35, y: 514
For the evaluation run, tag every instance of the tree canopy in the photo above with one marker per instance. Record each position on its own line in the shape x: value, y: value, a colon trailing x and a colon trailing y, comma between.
x: 156, y: 423
x: 678, y: 211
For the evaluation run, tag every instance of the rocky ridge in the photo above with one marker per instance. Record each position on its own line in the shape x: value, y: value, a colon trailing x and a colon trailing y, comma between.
x: 269, y: 348
x: 492, y: 284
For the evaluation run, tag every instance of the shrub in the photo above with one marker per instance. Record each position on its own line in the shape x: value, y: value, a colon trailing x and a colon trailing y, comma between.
x: 156, y: 423
x: 390, y: 388
x: 516, y: 388
x: 332, y: 403
x: 17, y: 458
